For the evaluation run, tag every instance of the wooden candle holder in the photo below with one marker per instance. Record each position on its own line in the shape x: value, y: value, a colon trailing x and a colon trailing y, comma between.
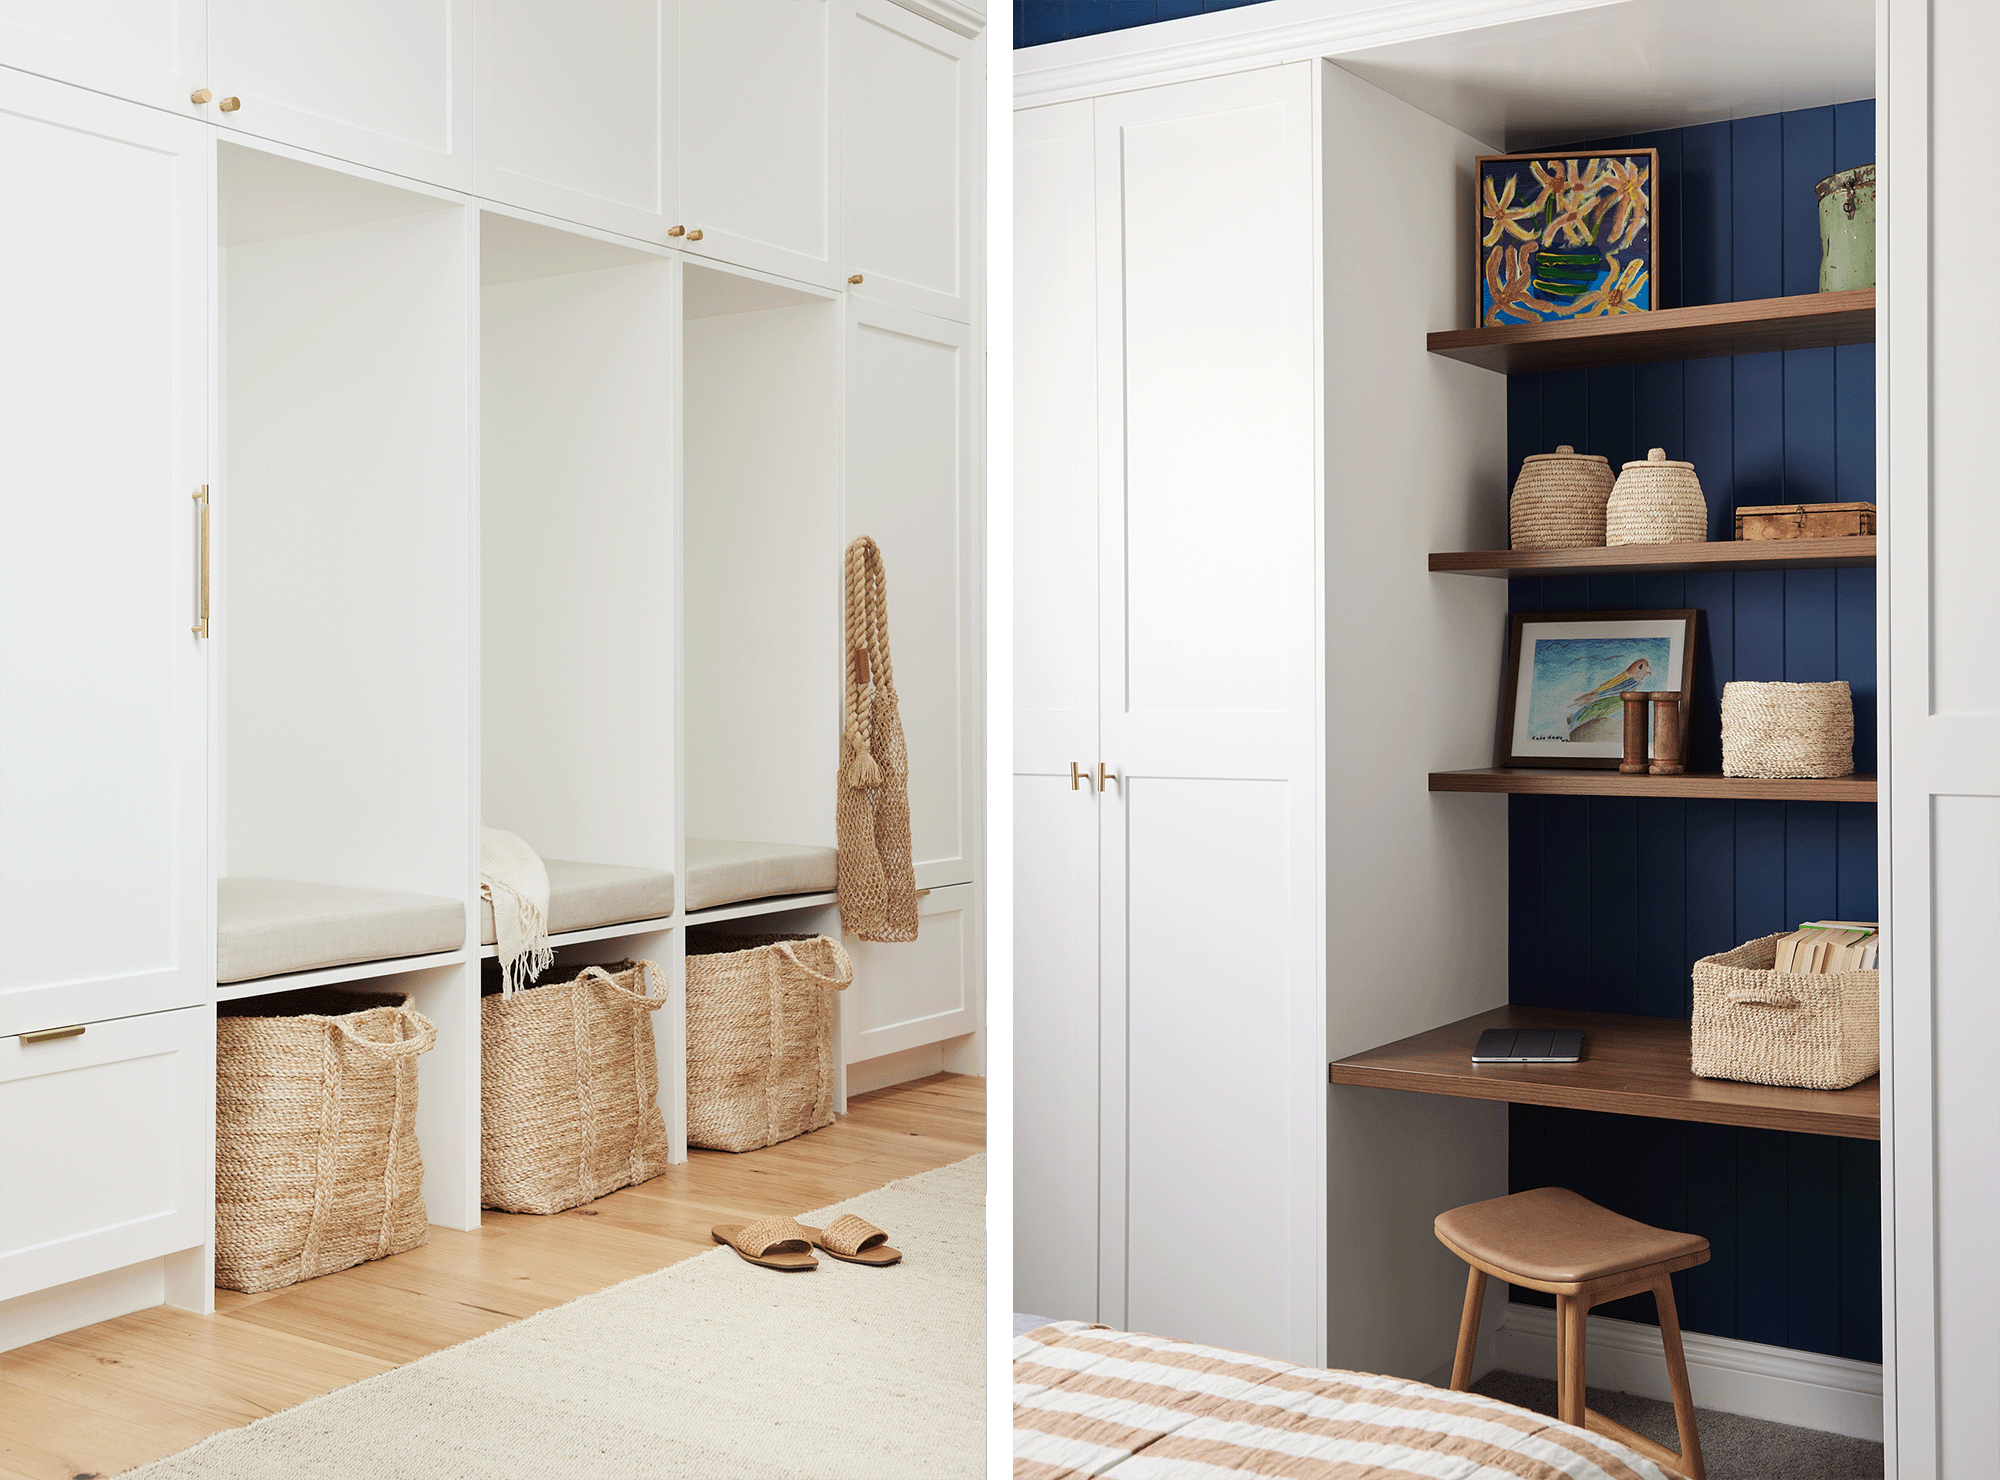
x: 1667, y: 737
x: 1634, y: 761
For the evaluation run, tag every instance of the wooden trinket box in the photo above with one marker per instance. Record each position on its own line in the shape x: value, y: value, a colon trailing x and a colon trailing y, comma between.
x: 1804, y: 521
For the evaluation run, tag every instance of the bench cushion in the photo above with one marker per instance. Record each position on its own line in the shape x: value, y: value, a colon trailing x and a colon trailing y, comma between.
x: 725, y: 873
x: 266, y: 927
x: 583, y: 896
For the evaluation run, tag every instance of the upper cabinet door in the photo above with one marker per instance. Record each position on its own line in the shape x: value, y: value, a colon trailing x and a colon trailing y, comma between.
x: 575, y: 113
x: 103, y: 440
x: 385, y: 83
x: 151, y: 51
x: 909, y: 145
x: 757, y: 134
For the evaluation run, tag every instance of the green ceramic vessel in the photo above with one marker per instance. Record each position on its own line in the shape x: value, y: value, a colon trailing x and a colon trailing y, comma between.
x: 1847, y: 229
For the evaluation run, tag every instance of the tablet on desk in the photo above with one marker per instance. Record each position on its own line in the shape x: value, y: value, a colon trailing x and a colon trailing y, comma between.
x: 1529, y: 1046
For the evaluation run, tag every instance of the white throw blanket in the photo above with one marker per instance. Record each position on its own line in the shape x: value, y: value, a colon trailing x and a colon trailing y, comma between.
x: 513, y: 881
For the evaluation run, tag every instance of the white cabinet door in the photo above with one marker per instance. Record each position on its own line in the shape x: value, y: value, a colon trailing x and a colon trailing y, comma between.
x: 150, y: 51
x: 910, y: 993
x: 908, y: 482
x: 909, y: 183
x: 103, y: 439
x: 756, y: 134
x: 1209, y: 623
x: 575, y: 110
x: 105, y: 1161
x: 385, y: 83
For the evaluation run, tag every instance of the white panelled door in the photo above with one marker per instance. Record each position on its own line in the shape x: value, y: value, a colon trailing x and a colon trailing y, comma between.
x: 1210, y: 658
x: 384, y: 83
x: 103, y: 441
x: 151, y: 51
x: 756, y: 134
x: 1056, y: 1002
x: 575, y: 110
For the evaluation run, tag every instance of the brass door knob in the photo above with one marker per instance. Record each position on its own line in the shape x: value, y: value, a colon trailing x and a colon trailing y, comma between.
x: 695, y: 235
x: 200, y: 95
x: 230, y: 105
x: 676, y: 231
x: 855, y: 279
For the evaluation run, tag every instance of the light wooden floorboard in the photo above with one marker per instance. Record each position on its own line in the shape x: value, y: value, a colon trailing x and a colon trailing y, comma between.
x: 98, y: 1401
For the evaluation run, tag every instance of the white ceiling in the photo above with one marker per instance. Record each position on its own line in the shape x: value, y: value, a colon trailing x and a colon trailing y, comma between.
x: 1631, y: 67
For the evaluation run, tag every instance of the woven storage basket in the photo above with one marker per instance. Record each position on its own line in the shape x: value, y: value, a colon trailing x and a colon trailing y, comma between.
x: 569, y: 1088
x: 1558, y: 501
x: 1787, y: 729
x: 1657, y: 502
x: 1753, y: 1024
x: 760, y: 1036
x: 316, y: 1160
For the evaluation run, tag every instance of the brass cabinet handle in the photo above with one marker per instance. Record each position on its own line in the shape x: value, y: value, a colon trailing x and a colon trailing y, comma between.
x: 200, y: 95
x: 922, y: 892
x: 856, y: 279
x: 1105, y: 775
x: 230, y: 105
x: 1077, y: 776
x: 49, y: 1035
x: 695, y: 235
x: 200, y: 628
x: 676, y: 231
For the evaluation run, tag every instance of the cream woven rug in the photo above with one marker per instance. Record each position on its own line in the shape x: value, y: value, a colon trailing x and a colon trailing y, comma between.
x: 710, y: 1368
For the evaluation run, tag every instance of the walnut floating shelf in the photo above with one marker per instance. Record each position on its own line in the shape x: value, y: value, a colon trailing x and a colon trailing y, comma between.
x: 1589, y: 782
x: 1825, y: 554
x: 1755, y: 326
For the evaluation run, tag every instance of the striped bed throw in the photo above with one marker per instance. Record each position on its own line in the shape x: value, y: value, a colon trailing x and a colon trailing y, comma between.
x: 1092, y: 1401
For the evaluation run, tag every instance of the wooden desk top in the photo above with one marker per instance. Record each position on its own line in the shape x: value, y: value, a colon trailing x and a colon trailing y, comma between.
x: 1631, y: 1066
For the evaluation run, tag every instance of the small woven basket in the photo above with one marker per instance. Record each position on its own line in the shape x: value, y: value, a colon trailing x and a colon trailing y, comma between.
x: 569, y: 1088
x: 1817, y: 1031
x: 760, y: 1036
x: 1657, y: 502
x: 1558, y: 501
x: 316, y: 1159
x: 1787, y: 729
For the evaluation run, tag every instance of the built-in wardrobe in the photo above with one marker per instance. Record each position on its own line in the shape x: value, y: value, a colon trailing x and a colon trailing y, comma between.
x: 434, y: 417
x: 1260, y: 838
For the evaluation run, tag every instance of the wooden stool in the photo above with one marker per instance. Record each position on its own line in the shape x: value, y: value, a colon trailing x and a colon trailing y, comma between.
x: 1552, y: 1240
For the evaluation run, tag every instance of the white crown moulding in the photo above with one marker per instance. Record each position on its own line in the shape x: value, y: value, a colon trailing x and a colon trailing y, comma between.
x: 956, y: 15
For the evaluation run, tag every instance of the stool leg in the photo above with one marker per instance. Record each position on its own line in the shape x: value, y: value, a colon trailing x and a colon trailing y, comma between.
x: 1677, y: 1376
x: 1570, y: 1311
x: 1468, y: 1329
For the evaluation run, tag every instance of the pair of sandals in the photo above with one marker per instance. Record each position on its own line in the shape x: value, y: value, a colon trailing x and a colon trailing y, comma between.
x: 781, y: 1243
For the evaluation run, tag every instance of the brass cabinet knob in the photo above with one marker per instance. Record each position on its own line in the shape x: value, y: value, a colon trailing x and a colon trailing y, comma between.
x: 676, y: 231
x: 855, y: 279
x: 230, y: 105
x: 200, y: 95
x: 695, y: 235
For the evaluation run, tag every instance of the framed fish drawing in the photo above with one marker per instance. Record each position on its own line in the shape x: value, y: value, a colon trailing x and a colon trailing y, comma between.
x: 1567, y: 673
x: 1565, y: 234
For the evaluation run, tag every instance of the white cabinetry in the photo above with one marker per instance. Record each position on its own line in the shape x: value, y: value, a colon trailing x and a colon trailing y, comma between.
x: 103, y: 441
x: 909, y: 994
x: 910, y: 94
x: 150, y: 51
x: 384, y: 83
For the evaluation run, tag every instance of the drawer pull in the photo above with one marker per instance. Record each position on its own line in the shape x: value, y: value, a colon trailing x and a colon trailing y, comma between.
x: 922, y: 892
x: 49, y: 1035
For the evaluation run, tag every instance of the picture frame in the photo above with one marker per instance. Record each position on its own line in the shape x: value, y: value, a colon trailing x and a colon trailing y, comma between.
x: 1566, y: 670
x: 1563, y: 234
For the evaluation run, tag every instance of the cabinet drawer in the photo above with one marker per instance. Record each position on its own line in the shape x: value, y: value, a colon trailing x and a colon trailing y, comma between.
x: 103, y: 1147
x: 910, y: 993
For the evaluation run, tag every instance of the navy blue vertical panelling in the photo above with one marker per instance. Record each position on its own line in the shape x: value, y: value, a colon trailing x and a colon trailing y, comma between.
x: 1173, y: 10
x: 1040, y: 21
x: 1612, y: 900
x: 1129, y: 13
x: 1087, y: 17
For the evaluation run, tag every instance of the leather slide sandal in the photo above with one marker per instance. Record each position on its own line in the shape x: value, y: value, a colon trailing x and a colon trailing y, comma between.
x: 848, y: 1238
x: 772, y: 1243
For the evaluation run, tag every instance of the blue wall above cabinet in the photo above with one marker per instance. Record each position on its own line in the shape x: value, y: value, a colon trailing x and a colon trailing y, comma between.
x: 1040, y: 21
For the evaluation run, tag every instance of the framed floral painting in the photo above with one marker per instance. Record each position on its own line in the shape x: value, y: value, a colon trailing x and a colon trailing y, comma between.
x: 1566, y: 234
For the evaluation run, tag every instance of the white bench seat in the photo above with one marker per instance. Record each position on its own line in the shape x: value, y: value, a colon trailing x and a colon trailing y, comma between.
x: 721, y: 872
x: 270, y: 927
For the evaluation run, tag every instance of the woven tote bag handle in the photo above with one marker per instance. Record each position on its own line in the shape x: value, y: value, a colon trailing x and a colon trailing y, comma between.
x: 841, y: 961
x: 402, y: 1048
x: 1760, y: 997
x: 651, y: 974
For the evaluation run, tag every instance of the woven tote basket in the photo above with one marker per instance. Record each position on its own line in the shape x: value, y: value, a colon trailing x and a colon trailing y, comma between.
x: 1657, y: 502
x: 1818, y: 1031
x: 569, y: 1087
x: 316, y: 1159
x: 1558, y: 501
x: 1787, y: 729
x: 760, y: 1036
x: 877, y: 877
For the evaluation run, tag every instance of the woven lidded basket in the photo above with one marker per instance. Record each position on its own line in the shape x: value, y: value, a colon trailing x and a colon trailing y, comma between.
x: 1558, y: 501
x: 760, y: 1036
x: 316, y: 1159
x: 569, y: 1088
x: 1787, y: 729
x: 1657, y: 502
x: 1816, y: 1031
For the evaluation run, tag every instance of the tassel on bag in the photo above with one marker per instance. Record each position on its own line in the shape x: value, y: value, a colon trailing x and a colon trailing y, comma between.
x: 878, y: 882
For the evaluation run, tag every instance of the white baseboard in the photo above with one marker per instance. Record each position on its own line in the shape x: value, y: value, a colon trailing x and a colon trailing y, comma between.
x: 1832, y: 1394
x: 27, y: 1319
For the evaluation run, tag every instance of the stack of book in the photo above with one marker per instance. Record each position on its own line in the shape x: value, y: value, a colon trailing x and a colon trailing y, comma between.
x: 1828, y: 945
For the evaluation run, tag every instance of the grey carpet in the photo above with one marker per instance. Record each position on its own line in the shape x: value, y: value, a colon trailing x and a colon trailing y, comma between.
x: 1733, y: 1447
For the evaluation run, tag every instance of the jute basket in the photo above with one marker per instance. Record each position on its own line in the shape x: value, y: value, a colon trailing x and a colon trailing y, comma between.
x: 760, y: 1036
x: 1657, y: 502
x: 569, y: 1088
x: 1558, y: 501
x: 1752, y: 1024
x: 1787, y: 729
x: 316, y: 1159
